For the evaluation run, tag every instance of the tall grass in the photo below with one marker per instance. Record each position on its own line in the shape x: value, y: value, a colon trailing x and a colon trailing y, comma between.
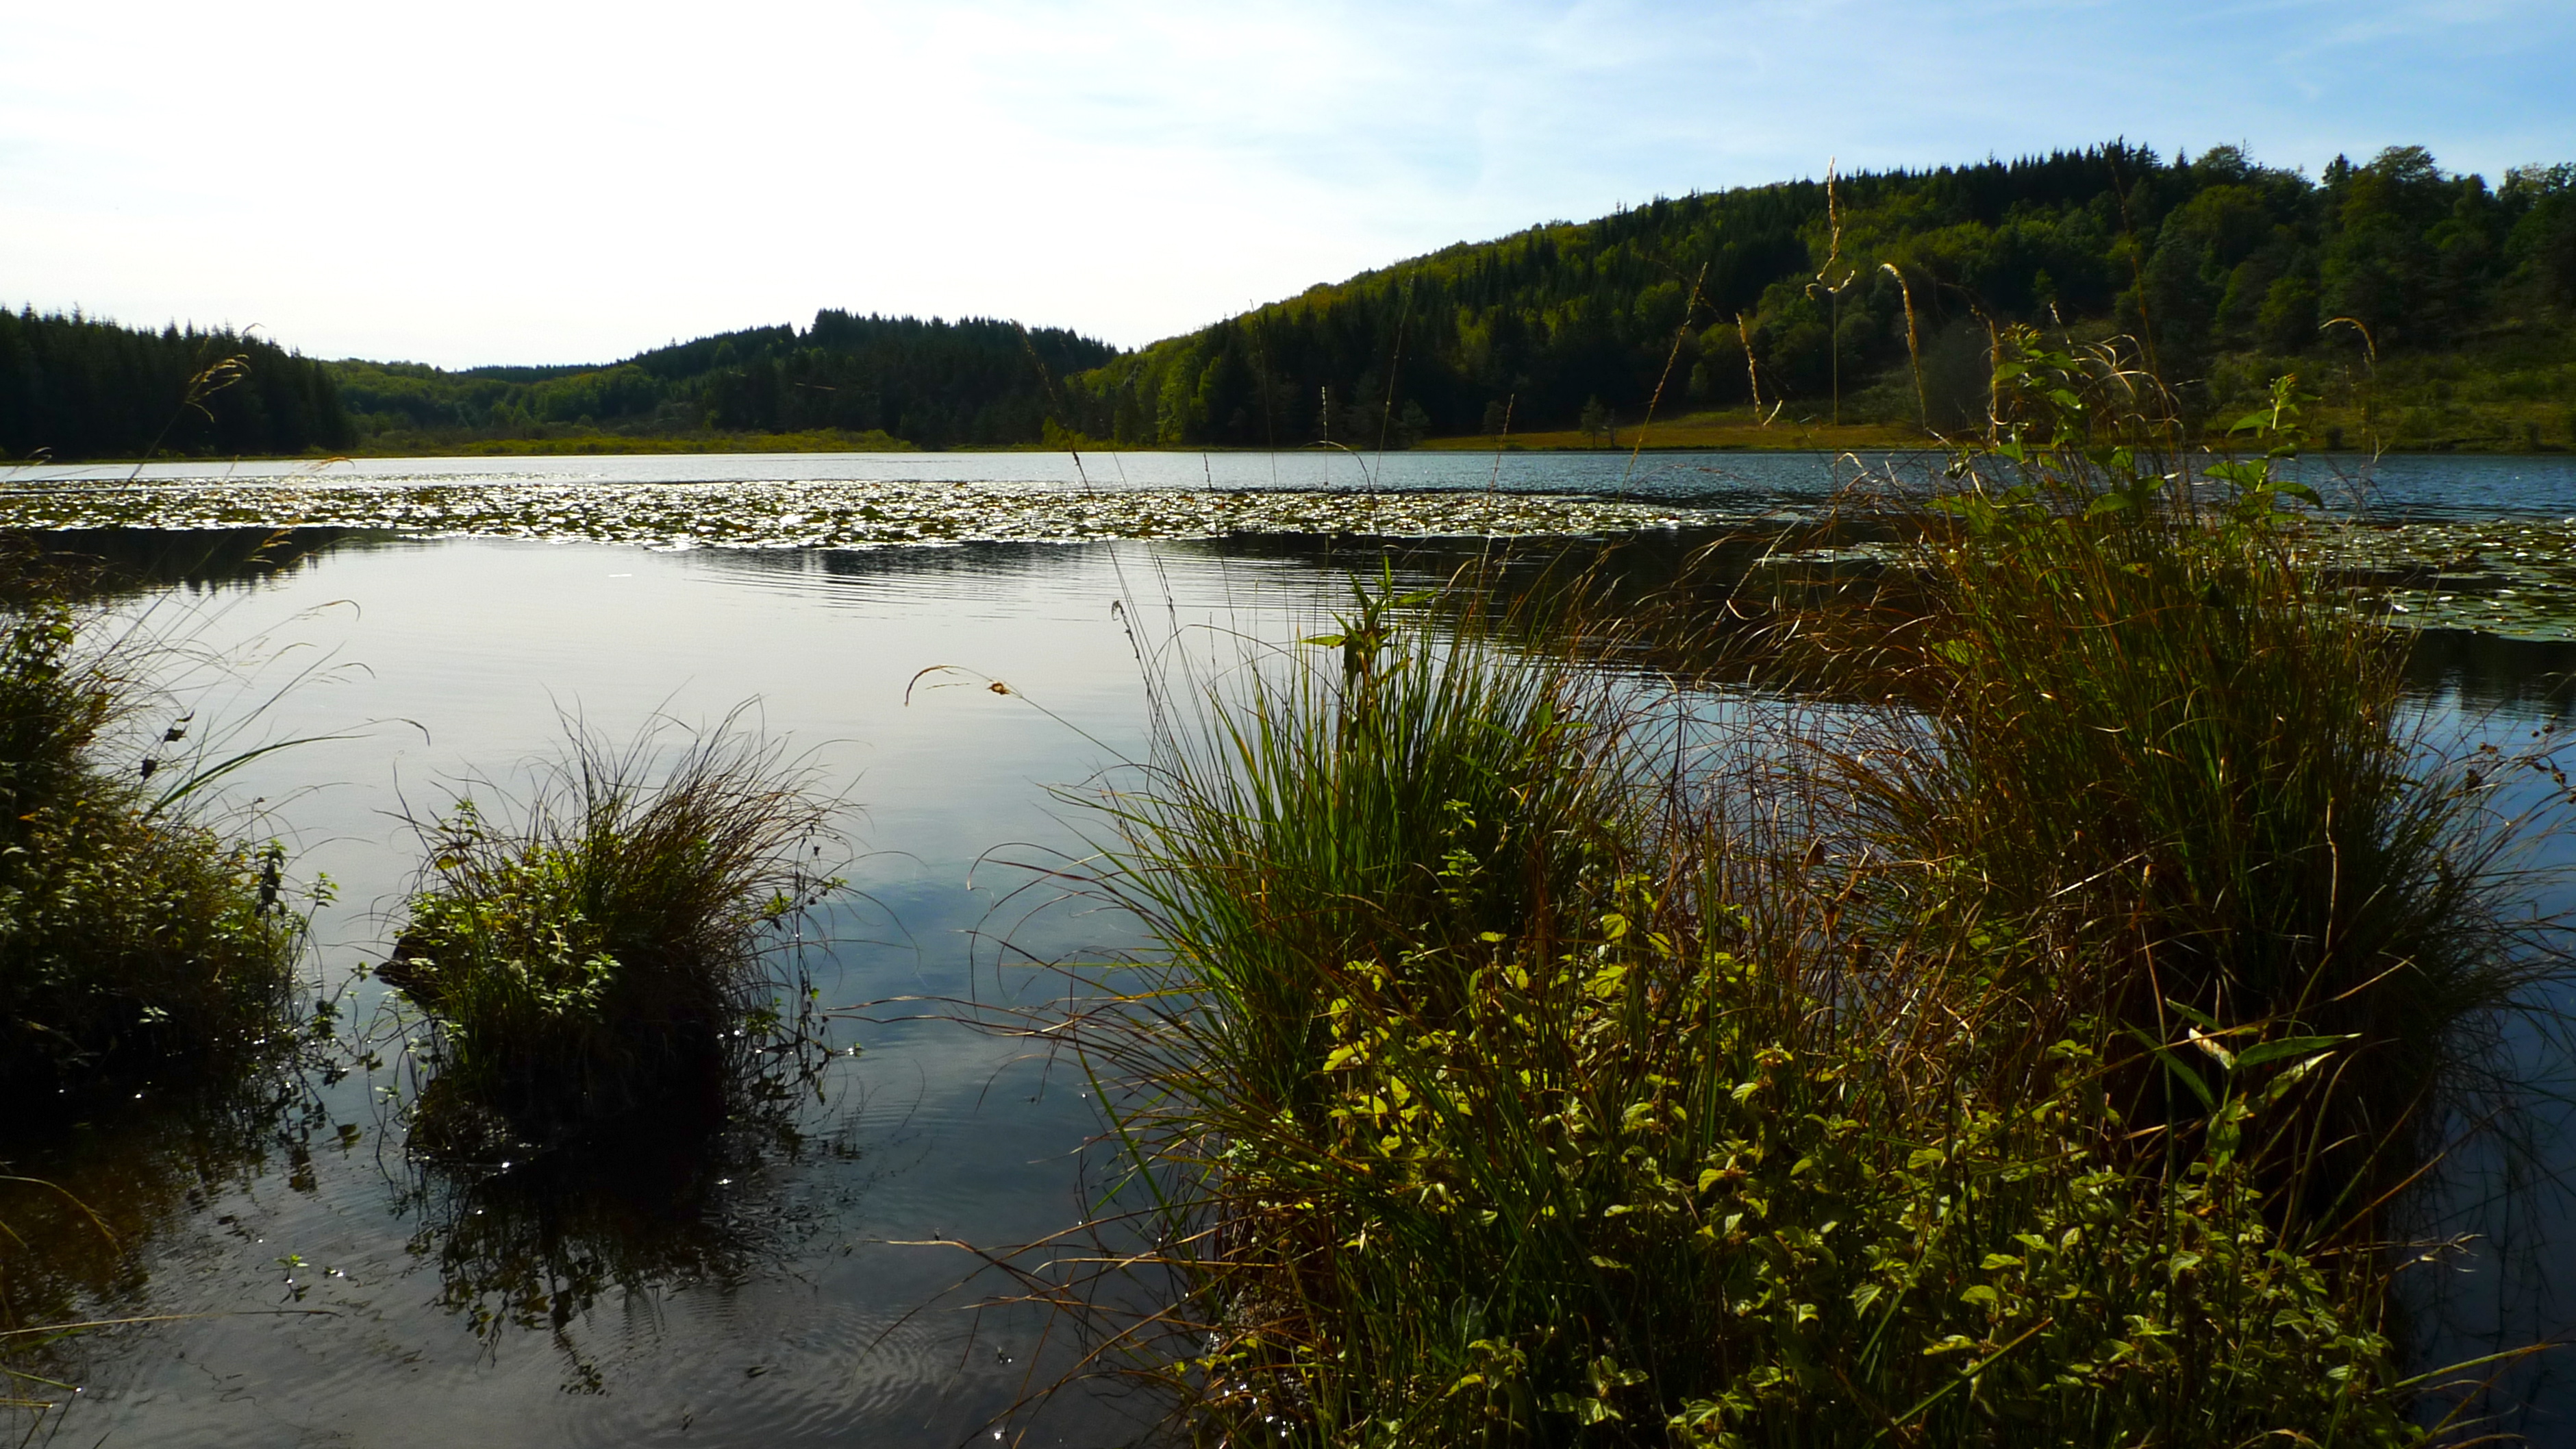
x: 2135, y: 718
x: 620, y: 941
x: 131, y: 931
x: 2034, y: 1064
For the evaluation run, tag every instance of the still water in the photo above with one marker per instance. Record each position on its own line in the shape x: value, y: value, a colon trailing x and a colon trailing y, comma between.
x: 754, y: 1290
x: 2412, y: 485
x: 797, y: 1280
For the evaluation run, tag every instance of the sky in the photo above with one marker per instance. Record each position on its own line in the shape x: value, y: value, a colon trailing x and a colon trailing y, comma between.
x: 546, y: 182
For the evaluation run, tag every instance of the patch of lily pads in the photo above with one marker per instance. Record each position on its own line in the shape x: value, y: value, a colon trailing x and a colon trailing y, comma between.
x: 2514, y: 577
x: 807, y: 514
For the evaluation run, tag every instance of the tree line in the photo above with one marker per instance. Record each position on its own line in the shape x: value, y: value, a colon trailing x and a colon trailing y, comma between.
x: 935, y: 383
x: 73, y: 386
x: 1871, y: 295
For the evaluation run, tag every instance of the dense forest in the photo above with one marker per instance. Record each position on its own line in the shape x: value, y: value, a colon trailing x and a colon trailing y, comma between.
x: 2228, y: 271
x: 2431, y: 308
x: 76, y: 387
x: 936, y: 384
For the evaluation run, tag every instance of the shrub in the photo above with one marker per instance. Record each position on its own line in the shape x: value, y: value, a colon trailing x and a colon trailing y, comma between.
x: 130, y: 931
x: 1484, y: 1106
x: 617, y: 943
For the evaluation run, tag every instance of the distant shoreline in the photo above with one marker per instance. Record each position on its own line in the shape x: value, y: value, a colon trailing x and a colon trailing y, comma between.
x: 1788, y: 440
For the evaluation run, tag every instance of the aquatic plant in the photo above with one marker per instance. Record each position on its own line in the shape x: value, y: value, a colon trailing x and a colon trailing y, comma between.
x: 130, y: 929
x: 810, y: 514
x: 2137, y: 717
x: 2042, y: 1053
x: 1498, y: 1089
x: 617, y: 943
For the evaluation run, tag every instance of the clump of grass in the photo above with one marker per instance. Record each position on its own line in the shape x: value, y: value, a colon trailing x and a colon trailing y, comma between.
x: 1481, y: 1105
x: 2135, y: 718
x: 1419, y: 798
x: 620, y: 941
x: 2037, y: 1056
x: 131, y: 931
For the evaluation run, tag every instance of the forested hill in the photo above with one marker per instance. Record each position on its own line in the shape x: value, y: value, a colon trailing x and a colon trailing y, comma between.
x: 2429, y: 308
x: 932, y: 383
x: 2228, y: 267
x: 75, y: 387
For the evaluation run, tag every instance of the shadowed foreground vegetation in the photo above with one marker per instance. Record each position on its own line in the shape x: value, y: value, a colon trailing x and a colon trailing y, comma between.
x: 145, y: 952
x: 2048, y: 1041
x: 133, y: 933
x: 615, y: 948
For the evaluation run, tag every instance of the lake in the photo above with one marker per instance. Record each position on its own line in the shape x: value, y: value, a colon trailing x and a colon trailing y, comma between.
x: 794, y: 1281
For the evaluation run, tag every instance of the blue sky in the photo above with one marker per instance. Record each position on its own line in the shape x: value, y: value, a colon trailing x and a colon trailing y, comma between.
x: 543, y: 182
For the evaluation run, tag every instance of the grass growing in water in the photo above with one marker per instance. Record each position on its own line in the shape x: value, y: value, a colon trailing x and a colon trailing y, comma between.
x: 2035, y: 1078
x: 139, y: 944
x: 131, y: 931
x: 2138, y: 723
x: 617, y: 944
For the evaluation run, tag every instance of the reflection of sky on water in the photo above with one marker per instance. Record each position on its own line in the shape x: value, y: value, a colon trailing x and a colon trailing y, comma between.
x: 2511, y: 1280
x: 781, y: 1302
x: 773, y: 1304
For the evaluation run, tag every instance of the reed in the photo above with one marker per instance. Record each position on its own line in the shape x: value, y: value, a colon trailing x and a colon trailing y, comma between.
x: 620, y: 940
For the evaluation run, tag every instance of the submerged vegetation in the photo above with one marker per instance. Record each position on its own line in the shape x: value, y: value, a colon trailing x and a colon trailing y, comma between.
x: 2045, y: 1041
x: 618, y: 946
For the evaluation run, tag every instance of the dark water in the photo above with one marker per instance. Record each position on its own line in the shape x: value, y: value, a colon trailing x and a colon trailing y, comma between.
x: 765, y: 1281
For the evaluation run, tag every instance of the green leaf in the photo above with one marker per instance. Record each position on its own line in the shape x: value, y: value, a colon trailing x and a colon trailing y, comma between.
x: 2265, y: 1053
x: 1585, y: 1411
x: 2179, y: 1068
x: 2194, y: 1015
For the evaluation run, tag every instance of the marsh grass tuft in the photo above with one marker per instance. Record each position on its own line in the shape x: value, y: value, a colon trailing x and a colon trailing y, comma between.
x: 132, y: 932
x: 619, y: 942
x: 2136, y: 724
x: 2038, y: 1054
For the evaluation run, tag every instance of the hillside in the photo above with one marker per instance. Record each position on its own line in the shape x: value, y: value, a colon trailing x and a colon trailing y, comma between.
x: 2428, y: 309
x: 2230, y: 271
x: 933, y: 383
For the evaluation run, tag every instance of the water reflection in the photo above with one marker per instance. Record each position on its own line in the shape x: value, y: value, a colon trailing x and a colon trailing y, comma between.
x: 204, y: 558
x: 95, y: 1182
x: 2531, y: 679
x: 638, y: 1211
